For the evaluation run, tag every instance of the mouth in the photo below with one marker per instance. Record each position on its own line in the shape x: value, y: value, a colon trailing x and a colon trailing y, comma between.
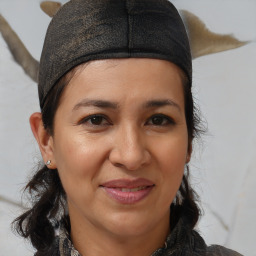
x: 128, y: 191
x: 131, y: 189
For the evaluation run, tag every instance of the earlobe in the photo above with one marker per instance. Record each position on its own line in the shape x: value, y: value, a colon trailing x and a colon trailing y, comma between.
x: 43, y: 138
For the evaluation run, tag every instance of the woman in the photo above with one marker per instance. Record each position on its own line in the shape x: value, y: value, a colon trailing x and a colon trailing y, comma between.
x: 115, y: 132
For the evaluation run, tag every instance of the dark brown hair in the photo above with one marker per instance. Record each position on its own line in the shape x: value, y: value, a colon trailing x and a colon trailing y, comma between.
x: 48, y: 196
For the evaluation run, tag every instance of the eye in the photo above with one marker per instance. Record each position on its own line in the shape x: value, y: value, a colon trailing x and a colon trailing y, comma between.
x: 95, y: 120
x: 160, y: 120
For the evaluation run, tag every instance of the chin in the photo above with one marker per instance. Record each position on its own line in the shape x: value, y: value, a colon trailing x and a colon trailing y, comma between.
x: 130, y: 224
x: 125, y: 230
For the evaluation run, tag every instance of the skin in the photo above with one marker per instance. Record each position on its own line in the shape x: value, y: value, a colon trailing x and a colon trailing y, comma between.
x: 129, y: 139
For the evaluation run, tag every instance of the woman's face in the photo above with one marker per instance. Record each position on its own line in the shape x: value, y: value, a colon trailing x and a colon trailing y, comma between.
x: 120, y: 144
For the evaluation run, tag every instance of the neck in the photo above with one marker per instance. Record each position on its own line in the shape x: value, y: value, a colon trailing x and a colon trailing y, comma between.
x: 89, y: 240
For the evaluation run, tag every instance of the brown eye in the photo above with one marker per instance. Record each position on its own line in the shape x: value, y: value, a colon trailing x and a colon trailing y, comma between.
x: 159, y: 120
x: 96, y: 120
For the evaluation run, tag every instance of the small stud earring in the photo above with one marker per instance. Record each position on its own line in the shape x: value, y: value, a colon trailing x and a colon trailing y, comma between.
x: 48, y: 162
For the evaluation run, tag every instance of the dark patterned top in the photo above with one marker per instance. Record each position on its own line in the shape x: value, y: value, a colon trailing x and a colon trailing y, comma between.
x: 181, y: 242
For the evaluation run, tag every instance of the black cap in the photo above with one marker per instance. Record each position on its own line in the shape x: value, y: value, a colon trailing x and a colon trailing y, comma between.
x: 84, y: 30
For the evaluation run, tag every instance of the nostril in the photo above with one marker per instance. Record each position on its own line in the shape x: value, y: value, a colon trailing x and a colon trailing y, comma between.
x: 118, y: 165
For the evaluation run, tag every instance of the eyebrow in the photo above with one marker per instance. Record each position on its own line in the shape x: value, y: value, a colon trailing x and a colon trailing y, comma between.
x: 114, y: 105
x: 161, y: 103
x: 95, y: 103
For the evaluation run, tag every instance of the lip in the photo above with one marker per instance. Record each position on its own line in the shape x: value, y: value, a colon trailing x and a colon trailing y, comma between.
x: 127, y: 191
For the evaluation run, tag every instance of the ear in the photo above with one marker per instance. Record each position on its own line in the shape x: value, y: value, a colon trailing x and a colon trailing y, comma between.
x: 50, y: 7
x: 43, y: 138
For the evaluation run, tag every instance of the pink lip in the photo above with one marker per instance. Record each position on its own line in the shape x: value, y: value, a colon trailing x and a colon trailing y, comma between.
x: 119, y: 190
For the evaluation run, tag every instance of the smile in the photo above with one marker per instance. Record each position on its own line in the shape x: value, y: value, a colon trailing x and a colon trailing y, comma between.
x: 131, y: 189
x: 128, y: 192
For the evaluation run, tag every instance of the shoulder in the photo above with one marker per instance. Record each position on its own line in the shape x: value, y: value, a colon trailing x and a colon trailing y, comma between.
x: 200, y: 247
x: 183, y: 240
x: 217, y: 250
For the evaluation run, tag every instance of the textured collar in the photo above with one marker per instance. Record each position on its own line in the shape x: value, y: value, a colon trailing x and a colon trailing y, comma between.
x: 181, y: 241
x: 66, y: 247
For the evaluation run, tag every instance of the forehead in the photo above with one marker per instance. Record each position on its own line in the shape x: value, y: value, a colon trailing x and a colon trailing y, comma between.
x: 123, y: 79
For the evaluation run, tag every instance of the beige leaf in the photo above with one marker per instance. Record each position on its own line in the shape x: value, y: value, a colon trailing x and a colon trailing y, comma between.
x: 50, y: 7
x: 203, y: 41
x: 19, y: 52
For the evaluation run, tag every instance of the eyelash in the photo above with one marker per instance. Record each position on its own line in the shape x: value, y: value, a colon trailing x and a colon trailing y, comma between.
x: 90, y: 118
x: 166, y: 119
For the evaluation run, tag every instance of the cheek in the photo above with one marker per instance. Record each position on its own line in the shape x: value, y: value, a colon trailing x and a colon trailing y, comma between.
x: 171, y: 161
x: 172, y: 153
x: 78, y: 159
x: 77, y: 167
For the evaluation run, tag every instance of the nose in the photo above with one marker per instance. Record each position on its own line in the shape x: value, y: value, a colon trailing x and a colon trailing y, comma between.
x: 129, y: 149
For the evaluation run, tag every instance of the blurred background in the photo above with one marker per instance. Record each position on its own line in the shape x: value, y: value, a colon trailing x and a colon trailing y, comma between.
x: 223, y: 167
